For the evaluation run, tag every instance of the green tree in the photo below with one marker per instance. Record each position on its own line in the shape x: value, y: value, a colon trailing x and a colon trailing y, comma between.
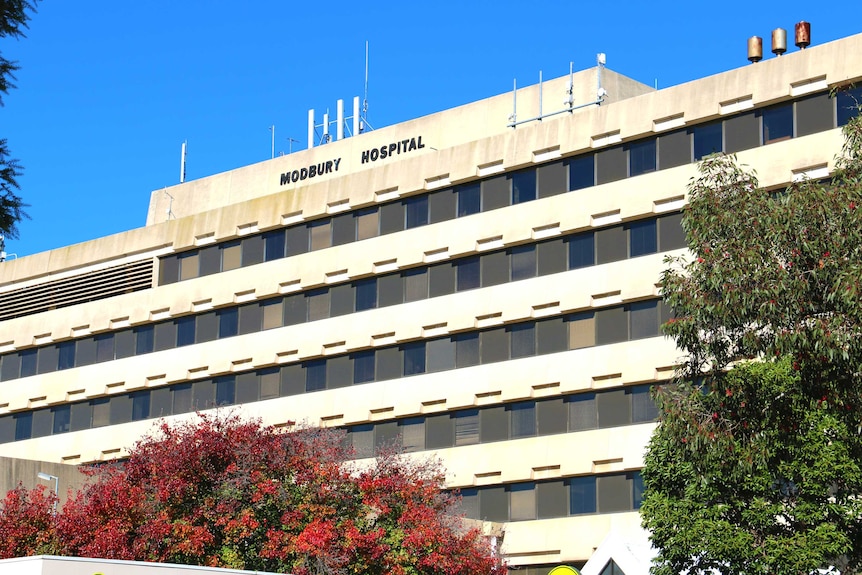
x: 756, y: 465
x: 13, y: 19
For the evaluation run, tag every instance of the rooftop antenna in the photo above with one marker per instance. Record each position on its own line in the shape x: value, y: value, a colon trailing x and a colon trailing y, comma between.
x: 183, y: 162
x: 170, y: 210
x: 290, y: 142
x: 272, y: 129
x: 364, y: 121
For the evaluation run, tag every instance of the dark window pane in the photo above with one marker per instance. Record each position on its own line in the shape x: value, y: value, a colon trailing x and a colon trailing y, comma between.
x: 553, y: 256
x: 203, y: 394
x: 10, y: 367
x: 611, y: 165
x: 523, y: 340
x: 441, y: 279
x: 144, y: 339
x: 643, y: 407
x: 707, y: 140
x: 470, y: 503
x: 552, y: 179
x: 318, y: 304
x: 814, y: 114
x: 185, y: 330
x: 552, y: 416
x: 611, y: 245
x: 467, y: 349
x: 414, y: 357
x: 339, y: 372
x: 48, y: 359
x: 297, y: 240
x: 343, y: 229
x: 614, y: 408
x: 29, y: 362
x: 615, y: 493
x: 494, y: 504
x: 268, y: 384
x: 670, y: 233
x: 62, y: 415
x: 637, y: 482
x: 494, y: 344
x: 363, y: 366
x: 582, y: 495
x: 643, y: 317
x: 295, y: 309
x: 582, y: 172
x: 209, y: 260
x: 169, y: 270
x: 390, y: 290
x: 165, y: 335
x: 466, y: 427
x: 582, y: 250
x: 104, y: 347
x: 493, y: 424
x: 182, y: 398
x: 252, y: 250
x: 495, y: 193
x: 439, y: 431
x: 674, y: 149
x: 228, y: 322
x: 611, y: 325
x: 415, y: 284
x: 412, y: 431
x: 495, y: 268
x: 523, y: 186
x: 642, y: 238
x: 417, y: 211
x: 66, y: 355
x: 468, y: 273
x: 551, y: 500
x: 85, y: 350
x: 225, y: 390
x: 341, y: 299
x: 206, y: 327
x: 582, y: 412
x: 101, y: 409
x: 741, y: 133
x: 140, y: 405
x: 551, y: 335
x: 386, y: 437
x: 362, y: 439
x: 469, y: 199
x: 777, y: 123
x: 441, y: 354
x: 315, y: 375
x: 82, y: 414
x: 523, y: 419
x: 391, y: 217
x: 522, y: 501
x: 442, y: 206
x: 124, y: 343
x: 274, y: 243
x: 121, y: 409
x: 23, y: 425
x: 389, y: 362
x: 161, y: 402
x: 848, y: 102
x: 292, y: 380
x: 366, y: 294
x: 247, y: 387
x: 642, y: 157
x: 42, y: 423
x: 523, y: 262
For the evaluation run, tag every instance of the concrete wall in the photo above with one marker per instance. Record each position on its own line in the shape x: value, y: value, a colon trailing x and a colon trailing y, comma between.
x: 24, y: 471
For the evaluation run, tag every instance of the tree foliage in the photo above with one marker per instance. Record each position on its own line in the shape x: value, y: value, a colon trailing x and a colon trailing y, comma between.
x: 13, y: 21
x: 223, y: 492
x: 756, y: 466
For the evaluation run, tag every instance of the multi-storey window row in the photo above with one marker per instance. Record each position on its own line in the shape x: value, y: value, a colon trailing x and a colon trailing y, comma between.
x: 573, y: 251
x: 580, y: 495
x: 763, y: 126
x: 563, y: 414
x: 517, y: 340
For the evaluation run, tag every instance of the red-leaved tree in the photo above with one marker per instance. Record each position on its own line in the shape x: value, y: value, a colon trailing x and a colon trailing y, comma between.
x: 224, y: 492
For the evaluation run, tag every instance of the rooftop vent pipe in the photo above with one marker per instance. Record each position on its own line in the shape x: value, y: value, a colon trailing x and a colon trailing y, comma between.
x: 779, y: 41
x: 755, y: 49
x: 803, y: 34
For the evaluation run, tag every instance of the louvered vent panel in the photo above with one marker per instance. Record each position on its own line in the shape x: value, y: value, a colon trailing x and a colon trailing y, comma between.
x: 77, y: 289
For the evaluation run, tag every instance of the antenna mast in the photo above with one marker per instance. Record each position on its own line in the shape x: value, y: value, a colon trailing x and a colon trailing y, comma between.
x: 183, y: 162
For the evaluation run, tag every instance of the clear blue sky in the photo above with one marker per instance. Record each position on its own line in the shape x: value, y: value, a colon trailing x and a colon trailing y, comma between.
x: 108, y: 90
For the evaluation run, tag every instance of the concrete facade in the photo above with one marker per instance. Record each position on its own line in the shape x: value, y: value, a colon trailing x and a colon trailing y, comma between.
x: 525, y: 372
